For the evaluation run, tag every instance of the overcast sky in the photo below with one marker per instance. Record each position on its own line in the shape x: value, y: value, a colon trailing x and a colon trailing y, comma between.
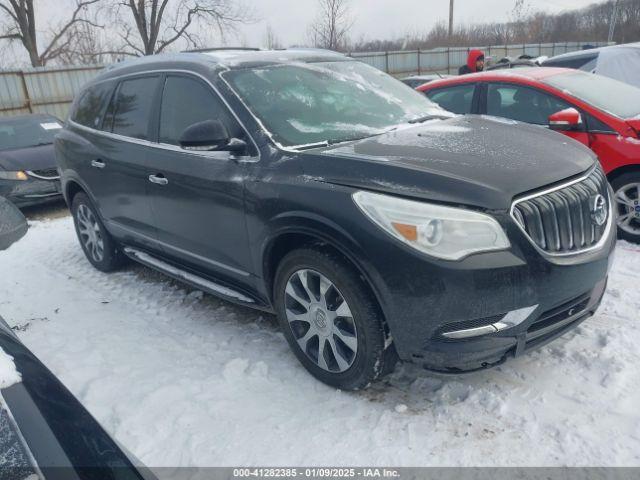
x: 385, y: 18
x: 290, y: 19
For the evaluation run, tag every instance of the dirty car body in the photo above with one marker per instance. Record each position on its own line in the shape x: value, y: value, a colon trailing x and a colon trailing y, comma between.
x: 228, y: 219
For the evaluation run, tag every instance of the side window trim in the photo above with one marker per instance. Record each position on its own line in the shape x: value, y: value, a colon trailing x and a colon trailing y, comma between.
x: 256, y: 154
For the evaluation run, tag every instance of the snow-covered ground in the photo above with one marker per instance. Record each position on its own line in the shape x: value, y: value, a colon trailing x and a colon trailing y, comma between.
x: 185, y: 379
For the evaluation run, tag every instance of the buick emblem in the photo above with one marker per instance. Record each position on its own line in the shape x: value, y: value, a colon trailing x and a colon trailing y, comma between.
x: 599, y: 210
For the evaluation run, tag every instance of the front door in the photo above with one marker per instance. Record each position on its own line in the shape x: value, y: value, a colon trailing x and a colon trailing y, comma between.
x: 198, y: 197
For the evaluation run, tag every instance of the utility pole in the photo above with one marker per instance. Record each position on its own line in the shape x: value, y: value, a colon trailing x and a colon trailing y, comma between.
x: 450, y: 18
x: 612, y: 23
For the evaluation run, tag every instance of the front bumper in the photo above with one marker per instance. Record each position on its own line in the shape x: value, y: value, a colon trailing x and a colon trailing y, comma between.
x: 34, y: 191
x: 425, y: 298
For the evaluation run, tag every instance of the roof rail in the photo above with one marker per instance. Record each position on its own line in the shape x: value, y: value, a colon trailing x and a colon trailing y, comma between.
x: 215, y: 49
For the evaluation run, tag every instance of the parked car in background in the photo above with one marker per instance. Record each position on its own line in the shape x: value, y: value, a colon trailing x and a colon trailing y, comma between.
x: 416, y: 80
x: 314, y: 186
x: 519, y: 62
x: 620, y: 62
x: 601, y: 113
x: 28, y: 172
x: 45, y: 433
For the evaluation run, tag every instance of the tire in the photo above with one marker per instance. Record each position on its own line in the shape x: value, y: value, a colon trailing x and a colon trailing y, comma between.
x: 360, y: 327
x: 629, y: 185
x: 97, y: 244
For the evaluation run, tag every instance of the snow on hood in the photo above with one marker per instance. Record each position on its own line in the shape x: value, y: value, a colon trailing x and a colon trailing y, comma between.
x: 8, y: 373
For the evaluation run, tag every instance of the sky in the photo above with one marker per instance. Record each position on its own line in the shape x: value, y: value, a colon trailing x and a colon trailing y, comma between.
x: 384, y: 19
x: 290, y: 19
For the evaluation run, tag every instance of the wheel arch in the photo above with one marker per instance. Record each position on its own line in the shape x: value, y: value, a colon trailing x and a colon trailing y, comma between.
x: 630, y: 168
x: 321, y: 236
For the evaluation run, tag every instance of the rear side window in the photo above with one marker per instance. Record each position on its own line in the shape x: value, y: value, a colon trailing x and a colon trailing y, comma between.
x: 92, y: 104
x: 523, y: 104
x: 130, y: 108
x: 186, y: 101
x: 456, y: 99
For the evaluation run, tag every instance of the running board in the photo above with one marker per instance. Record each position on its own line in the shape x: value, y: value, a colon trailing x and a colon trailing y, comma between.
x: 195, y: 280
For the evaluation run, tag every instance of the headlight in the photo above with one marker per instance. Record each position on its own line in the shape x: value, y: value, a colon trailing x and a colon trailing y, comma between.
x: 19, y: 175
x: 443, y: 232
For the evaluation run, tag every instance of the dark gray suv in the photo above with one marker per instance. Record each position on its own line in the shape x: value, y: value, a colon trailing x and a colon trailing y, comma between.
x: 374, y: 224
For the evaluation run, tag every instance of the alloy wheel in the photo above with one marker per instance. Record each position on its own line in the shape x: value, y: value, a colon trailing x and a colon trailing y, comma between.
x: 90, y: 234
x: 321, y: 320
x: 628, y: 203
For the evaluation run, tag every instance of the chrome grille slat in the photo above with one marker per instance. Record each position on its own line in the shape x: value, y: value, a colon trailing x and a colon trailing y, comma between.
x: 47, y: 174
x: 559, y: 221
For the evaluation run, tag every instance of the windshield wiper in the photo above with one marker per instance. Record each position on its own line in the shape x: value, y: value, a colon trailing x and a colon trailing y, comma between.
x: 308, y: 146
x: 425, y: 118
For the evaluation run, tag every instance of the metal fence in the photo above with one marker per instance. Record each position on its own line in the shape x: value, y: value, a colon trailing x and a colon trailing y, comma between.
x: 42, y: 90
x: 448, y: 60
x: 51, y: 90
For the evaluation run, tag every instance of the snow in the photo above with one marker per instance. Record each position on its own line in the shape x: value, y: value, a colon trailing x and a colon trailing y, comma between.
x: 181, y: 378
x: 8, y: 373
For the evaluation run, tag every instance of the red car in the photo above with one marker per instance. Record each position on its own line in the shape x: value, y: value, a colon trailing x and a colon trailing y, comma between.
x: 600, y: 112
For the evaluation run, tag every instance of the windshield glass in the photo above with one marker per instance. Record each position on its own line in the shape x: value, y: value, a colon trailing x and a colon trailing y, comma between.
x: 609, y: 95
x: 22, y: 132
x: 307, y: 103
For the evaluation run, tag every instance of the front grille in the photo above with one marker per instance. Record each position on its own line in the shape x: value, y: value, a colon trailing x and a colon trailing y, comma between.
x: 563, y: 220
x: 47, y: 174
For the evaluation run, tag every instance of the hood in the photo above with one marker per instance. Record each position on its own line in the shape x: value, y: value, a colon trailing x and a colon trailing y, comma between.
x: 466, y: 160
x: 41, y: 157
x: 473, y: 57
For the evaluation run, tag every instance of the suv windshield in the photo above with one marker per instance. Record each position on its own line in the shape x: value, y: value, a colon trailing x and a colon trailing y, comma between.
x: 23, y: 132
x: 604, y: 93
x: 308, y: 103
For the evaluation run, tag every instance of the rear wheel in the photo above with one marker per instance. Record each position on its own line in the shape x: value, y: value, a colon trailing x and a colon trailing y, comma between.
x: 98, y: 245
x: 627, y: 202
x: 331, y: 320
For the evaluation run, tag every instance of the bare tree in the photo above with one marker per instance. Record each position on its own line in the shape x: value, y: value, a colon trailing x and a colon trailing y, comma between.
x: 19, y: 24
x: 150, y: 26
x: 271, y: 39
x: 331, y: 26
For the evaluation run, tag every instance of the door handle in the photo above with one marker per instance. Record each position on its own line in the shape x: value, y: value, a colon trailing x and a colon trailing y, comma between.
x: 158, y: 179
x: 97, y: 163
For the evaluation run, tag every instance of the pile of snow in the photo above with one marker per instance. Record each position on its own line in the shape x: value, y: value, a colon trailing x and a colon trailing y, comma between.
x: 181, y: 378
x: 8, y: 373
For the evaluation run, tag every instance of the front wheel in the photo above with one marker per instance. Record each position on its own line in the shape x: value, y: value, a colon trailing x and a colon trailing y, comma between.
x: 331, y: 320
x: 627, y: 203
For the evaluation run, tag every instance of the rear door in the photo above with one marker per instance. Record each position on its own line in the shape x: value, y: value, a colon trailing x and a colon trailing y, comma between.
x: 199, y: 206
x: 121, y: 168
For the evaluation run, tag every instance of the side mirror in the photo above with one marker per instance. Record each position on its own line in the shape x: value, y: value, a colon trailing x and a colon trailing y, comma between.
x: 207, y: 135
x: 568, y: 120
x: 13, y: 225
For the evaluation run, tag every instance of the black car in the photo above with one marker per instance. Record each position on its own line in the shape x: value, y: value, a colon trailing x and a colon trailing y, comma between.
x: 45, y: 433
x: 375, y: 224
x: 28, y: 172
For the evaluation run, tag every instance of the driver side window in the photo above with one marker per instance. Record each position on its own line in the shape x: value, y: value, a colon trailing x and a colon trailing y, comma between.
x: 523, y: 104
x: 186, y: 101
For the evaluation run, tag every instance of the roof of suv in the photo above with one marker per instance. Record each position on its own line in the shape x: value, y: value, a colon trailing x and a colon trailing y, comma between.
x: 225, y: 59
